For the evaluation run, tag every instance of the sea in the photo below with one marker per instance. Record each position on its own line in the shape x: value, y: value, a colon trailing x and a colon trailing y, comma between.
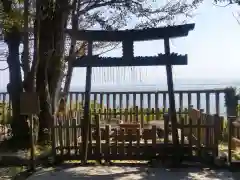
x: 180, y: 84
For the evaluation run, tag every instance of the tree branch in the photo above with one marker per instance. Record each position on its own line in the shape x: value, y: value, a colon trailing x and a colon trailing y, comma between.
x: 3, y: 69
x: 97, y: 4
x: 215, y: 4
x: 114, y: 47
x: 238, y: 21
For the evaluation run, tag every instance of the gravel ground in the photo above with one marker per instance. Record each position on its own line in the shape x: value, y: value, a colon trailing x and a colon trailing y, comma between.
x: 132, y: 173
x: 10, y: 172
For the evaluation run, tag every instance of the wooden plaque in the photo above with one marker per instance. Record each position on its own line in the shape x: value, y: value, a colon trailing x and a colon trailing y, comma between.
x: 29, y: 103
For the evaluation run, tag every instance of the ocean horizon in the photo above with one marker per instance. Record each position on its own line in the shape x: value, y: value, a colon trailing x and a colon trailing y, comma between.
x: 180, y: 85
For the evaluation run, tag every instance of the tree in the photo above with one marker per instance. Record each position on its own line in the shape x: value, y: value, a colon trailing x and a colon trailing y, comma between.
x: 12, y: 23
x: 227, y: 2
x: 49, y: 64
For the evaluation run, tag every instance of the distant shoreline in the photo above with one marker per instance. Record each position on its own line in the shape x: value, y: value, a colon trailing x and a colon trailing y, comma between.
x: 179, y: 84
x: 141, y: 88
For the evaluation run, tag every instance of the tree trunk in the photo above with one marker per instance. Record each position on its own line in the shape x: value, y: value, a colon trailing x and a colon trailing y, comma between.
x: 51, y: 64
x: 19, y: 124
x: 57, y: 65
x: 45, y: 54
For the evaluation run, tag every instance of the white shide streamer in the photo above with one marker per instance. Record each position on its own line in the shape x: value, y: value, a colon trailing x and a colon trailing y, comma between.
x: 120, y: 75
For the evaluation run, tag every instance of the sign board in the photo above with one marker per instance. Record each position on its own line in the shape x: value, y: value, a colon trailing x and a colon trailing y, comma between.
x: 29, y: 103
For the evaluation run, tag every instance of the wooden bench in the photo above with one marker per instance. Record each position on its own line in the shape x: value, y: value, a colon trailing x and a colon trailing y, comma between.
x: 126, y: 127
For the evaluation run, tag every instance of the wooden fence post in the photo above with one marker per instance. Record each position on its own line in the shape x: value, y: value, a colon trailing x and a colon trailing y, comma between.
x: 230, y: 131
x: 136, y: 114
x: 107, y: 144
x: 98, y: 139
x: 217, y: 134
x: 166, y: 129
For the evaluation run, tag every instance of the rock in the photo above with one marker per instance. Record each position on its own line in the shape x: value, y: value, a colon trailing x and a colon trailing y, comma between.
x: 221, y: 159
x: 219, y: 162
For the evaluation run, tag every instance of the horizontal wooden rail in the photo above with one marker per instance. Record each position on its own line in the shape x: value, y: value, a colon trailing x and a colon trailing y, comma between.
x: 132, y: 35
x: 160, y: 60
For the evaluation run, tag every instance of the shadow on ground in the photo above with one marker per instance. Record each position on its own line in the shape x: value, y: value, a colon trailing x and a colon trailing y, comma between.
x: 134, y: 173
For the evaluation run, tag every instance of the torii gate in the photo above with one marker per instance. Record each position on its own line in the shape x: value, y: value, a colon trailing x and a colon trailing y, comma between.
x: 128, y: 37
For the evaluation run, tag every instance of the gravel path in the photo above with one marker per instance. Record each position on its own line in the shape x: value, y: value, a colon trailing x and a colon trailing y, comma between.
x: 132, y: 173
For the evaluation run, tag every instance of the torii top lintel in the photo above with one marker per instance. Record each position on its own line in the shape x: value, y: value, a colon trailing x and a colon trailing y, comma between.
x: 132, y: 35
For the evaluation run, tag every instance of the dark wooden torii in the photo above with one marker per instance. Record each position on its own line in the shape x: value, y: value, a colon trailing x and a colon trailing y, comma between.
x: 128, y: 37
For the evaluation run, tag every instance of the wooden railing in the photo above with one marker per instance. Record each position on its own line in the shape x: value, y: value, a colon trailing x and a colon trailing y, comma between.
x: 212, y: 101
x: 200, y: 99
x: 142, y: 143
x: 140, y: 106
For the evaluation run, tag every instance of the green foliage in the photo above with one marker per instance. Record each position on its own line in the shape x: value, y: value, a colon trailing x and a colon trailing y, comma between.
x: 11, y: 18
x: 14, y: 18
x: 5, y: 113
x: 230, y: 95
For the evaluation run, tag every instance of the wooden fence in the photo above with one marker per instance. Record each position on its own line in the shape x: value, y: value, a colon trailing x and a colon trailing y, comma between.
x: 209, y: 100
x: 199, y: 130
x: 199, y: 137
x: 151, y: 104
x: 206, y: 134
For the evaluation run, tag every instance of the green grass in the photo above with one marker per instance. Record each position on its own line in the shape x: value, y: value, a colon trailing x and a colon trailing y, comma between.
x: 148, y: 113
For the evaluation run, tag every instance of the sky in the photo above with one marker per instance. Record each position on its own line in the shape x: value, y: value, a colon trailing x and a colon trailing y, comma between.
x: 212, y: 48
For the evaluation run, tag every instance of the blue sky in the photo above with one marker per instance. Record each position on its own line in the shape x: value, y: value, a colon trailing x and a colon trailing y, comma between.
x: 212, y: 48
